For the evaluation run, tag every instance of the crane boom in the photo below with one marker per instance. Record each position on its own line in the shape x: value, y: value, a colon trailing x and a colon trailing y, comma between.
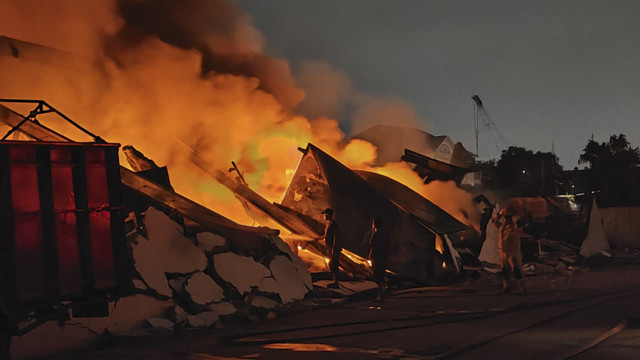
x: 487, y: 132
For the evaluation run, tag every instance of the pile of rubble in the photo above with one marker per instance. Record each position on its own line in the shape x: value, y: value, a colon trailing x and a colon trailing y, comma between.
x: 208, y: 277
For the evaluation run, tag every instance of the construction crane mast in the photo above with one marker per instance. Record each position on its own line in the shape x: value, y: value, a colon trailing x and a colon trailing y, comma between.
x: 487, y: 132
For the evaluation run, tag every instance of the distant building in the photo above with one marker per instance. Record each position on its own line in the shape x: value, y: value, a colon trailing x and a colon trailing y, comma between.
x: 391, y: 142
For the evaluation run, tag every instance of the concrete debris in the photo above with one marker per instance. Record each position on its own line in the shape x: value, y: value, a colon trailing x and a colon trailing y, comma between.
x: 160, y: 323
x: 164, y: 250
x: 286, y: 280
x: 181, y: 315
x: 208, y: 318
x: 242, y: 272
x: 203, y: 290
x: 149, y: 270
x: 207, y: 241
x: 177, y: 284
x: 263, y: 302
x: 180, y: 282
x: 223, y: 308
x: 301, y: 267
x: 171, y: 264
x: 195, y: 321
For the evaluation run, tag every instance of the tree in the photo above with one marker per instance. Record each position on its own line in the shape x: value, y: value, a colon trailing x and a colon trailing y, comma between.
x: 527, y: 172
x: 613, y: 169
x: 617, y: 153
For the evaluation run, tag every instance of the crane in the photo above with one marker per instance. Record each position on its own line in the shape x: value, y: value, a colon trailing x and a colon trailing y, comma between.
x: 487, y: 132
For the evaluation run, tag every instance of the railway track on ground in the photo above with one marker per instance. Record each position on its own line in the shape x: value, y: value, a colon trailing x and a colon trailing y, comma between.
x: 385, y: 324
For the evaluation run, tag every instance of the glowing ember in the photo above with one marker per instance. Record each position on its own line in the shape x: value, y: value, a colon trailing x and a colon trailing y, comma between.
x: 356, y: 258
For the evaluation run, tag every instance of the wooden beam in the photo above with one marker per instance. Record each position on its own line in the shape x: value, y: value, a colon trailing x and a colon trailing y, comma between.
x: 288, y: 221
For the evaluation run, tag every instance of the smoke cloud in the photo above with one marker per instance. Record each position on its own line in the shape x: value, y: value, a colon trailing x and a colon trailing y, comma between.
x: 170, y: 77
x: 328, y: 90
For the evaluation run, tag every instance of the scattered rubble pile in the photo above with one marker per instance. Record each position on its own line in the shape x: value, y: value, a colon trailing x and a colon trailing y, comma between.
x: 544, y: 255
x: 210, y: 277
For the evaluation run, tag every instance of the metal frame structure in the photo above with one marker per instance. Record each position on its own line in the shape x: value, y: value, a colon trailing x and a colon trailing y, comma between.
x: 42, y: 107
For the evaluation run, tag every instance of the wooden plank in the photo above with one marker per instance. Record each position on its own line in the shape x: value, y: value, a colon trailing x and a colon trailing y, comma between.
x: 288, y: 221
x: 184, y: 206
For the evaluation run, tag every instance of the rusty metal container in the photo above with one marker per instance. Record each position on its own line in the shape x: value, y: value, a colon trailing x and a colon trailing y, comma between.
x: 61, y: 222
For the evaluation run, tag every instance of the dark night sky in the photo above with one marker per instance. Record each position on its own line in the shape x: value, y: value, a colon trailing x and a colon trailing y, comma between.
x: 548, y: 71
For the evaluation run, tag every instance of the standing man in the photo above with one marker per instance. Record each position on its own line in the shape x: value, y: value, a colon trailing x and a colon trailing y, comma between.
x: 333, y: 245
x: 379, y: 248
x: 485, y: 217
x: 510, y: 254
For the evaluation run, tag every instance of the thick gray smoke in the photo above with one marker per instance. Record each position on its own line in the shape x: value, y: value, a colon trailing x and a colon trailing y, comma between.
x: 218, y: 29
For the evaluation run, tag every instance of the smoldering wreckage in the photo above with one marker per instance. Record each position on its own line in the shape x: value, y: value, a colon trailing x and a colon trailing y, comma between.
x: 88, y: 237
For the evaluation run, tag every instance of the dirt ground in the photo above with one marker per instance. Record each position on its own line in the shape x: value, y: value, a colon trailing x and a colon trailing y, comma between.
x: 577, y: 313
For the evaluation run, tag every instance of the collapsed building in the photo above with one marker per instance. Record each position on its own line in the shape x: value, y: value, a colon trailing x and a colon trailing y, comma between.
x: 143, y: 255
x: 416, y: 226
x: 80, y: 229
x: 441, y: 148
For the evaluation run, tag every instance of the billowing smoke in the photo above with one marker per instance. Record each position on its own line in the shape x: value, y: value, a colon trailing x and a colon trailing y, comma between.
x: 170, y: 77
x: 389, y: 111
x: 167, y: 77
x: 75, y: 26
x: 218, y: 30
x: 328, y: 90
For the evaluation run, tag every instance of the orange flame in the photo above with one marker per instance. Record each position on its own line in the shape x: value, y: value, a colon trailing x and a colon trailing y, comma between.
x: 156, y: 96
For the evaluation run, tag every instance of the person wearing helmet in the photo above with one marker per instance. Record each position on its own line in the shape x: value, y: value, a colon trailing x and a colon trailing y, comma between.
x: 510, y: 253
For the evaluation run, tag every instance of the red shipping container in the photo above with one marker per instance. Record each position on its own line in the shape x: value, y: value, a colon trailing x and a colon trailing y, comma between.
x: 61, y: 221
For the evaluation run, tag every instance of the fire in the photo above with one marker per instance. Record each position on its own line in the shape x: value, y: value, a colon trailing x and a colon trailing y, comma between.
x: 108, y: 66
x: 447, y: 195
x: 439, y: 245
x: 356, y: 258
x: 316, y: 263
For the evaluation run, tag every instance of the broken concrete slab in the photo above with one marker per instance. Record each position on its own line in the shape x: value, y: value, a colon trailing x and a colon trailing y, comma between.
x: 181, y: 315
x: 223, y: 308
x: 301, y: 267
x: 195, y: 321
x: 203, y: 289
x: 149, y: 270
x: 208, y: 318
x: 242, y: 272
x: 207, y: 241
x: 160, y: 323
x: 286, y: 280
x: 263, y: 302
x: 165, y: 249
